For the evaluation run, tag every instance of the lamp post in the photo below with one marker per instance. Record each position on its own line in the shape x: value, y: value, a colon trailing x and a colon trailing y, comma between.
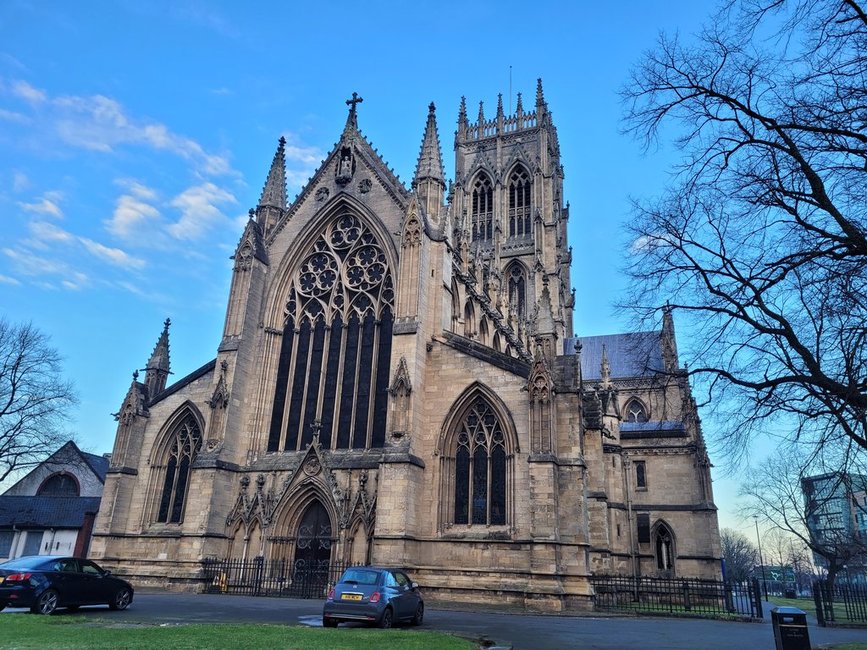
x: 761, y: 560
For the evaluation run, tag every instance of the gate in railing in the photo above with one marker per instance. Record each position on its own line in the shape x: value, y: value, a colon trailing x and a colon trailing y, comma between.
x: 677, y: 596
x: 260, y: 577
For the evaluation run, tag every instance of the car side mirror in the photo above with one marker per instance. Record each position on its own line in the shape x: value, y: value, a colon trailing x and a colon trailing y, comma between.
x: 414, y: 585
x: 106, y: 572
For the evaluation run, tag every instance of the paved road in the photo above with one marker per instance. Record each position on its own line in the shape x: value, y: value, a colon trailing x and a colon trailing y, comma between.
x: 521, y: 631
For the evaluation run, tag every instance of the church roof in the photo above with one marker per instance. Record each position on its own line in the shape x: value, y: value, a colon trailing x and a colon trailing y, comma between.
x: 635, y: 354
x: 46, y: 512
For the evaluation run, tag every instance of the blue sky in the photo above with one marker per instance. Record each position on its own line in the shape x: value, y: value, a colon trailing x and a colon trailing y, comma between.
x: 135, y: 136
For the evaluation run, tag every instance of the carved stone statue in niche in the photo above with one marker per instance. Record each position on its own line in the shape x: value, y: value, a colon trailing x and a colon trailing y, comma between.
x: 345, y: 167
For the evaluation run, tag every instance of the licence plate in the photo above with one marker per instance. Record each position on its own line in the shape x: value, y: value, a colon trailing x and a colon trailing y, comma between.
x: 351, y: 597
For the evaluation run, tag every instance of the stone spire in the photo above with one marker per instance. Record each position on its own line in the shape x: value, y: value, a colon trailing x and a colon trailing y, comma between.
x: 158, y: 367
x: 274, y: 192
x: 430, y: 158
x: 481, y: 114
x: 668, y: 341
x: 605, y: 370
x: 541, y: 104
x: 272, y: 204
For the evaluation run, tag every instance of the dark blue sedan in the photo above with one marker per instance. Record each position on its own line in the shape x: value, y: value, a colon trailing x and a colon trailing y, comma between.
x: 373, y: 595
x: 45, y: 582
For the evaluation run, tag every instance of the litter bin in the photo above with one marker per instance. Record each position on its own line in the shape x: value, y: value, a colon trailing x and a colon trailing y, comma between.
x: 790, y: 628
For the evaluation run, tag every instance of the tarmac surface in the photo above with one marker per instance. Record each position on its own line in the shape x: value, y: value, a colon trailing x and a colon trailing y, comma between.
x: 517, y: 630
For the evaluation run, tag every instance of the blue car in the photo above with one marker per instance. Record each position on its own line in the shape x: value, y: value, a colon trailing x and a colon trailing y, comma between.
x: 46, y: 582
x: 373, y: 595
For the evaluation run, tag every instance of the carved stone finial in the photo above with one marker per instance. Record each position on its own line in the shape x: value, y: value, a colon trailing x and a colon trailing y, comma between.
x: 352, y: 103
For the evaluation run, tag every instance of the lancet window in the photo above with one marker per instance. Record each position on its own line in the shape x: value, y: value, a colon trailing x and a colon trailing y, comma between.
x: 517, y: 289
x: 332, y: 375
x: 480, y: 466
x: 174, y: 467
x: 519, y: 203
x: 483, y: 209
x: 664, y: 548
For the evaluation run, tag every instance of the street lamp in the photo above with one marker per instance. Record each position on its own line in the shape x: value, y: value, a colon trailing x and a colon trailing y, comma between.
x: 761, y: 561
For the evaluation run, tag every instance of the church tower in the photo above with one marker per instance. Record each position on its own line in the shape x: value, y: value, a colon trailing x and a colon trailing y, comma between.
x: 508, y: 207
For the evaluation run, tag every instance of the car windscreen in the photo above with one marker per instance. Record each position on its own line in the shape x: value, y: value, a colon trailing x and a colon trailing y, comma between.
x: 25, y: 563
x: 361, y: 576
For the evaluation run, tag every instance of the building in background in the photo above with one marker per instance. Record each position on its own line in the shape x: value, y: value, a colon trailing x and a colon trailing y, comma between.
x: 51, y: 510
x: 398, y: 382
x: 836, y: 515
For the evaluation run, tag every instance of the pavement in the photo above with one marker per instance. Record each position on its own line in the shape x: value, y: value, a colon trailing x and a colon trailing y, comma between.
x: 519, y: 631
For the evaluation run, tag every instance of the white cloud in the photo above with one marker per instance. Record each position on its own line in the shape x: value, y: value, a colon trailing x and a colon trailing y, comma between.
x: 46, y: 232
x: 199, y: 211
x: 131, y: 213
x: 12, y: 116
x: 20, y: 182
x: 46, y: 204
x: 5, y: 279
x: 28, y: 264
x: 112, y: 255
x: 30, y: 93
x: 100, y: 123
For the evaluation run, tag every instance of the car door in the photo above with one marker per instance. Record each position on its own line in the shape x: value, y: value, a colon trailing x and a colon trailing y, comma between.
x: 94, y: 588
x: 62, y: 575
x: 405, y: 602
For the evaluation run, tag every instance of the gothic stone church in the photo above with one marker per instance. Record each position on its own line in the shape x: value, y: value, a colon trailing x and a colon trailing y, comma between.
x: 398, y: 383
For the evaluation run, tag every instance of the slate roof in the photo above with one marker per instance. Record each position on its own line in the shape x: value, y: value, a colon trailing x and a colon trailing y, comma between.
x: 99, y: 464
x: 636, y: 354
x: 46, y: 512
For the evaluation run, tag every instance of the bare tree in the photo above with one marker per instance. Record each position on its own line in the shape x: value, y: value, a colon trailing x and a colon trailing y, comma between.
x: 760, y: 241
x: 740, y: 554
x: 34, y: 398
x: 775, y: 494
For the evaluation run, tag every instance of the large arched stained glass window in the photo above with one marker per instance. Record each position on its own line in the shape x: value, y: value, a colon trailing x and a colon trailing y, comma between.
x: 332, y: 375
x: 480, y: 467
x: 483, y: 209
x: 180, y: 451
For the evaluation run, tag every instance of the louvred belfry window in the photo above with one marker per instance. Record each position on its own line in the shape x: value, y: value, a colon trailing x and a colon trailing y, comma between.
x: 336, y: 349
x: 183, y: 445
x: 480, y: 468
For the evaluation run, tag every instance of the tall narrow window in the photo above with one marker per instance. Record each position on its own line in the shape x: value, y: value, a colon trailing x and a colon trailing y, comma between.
x: 664, y: 548
x: 480, y: 467
x: 180, y: 451
x: 517, y: 289
x: 332, y: 373
x: 519, y: 203
x: 640, y: 475
x: 483, y: 209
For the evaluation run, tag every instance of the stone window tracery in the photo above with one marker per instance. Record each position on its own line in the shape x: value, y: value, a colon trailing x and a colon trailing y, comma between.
x: 480, y: 467
x: 517, y: 289
x: 483, y: 209
x: 519, y: 203
x: 664, y: 547
x: 180, y: 450
x: 336, y: 349
x: 635, y: 411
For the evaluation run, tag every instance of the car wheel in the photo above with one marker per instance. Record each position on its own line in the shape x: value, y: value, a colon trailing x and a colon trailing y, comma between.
x: 329, y: 622
x: 386, y: 619
x: 121, y: 599
x: 419, y: 615
x: 46, y: 603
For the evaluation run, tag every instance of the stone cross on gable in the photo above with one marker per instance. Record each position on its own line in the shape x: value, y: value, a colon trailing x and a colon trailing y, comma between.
x: 352, y: 103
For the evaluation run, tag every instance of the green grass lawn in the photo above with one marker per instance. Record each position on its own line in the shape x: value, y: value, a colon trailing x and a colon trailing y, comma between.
x: 808, y: 605
x: 30, y: 631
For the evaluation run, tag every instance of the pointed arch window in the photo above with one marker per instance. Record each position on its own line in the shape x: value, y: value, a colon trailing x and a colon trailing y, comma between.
x: 517, y: 289
x: 332, y: 374
x: 664, y: 548
x: 519, y: 203
x: 181, y: 448
x: 483, y: 209
x: 635, y: 411
x: 480, y: 467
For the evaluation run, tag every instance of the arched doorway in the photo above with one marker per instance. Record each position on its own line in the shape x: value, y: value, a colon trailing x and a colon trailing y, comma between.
x: 312, y: 552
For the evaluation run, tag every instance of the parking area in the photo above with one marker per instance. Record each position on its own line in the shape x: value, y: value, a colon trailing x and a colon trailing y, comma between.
x: 521, y: 631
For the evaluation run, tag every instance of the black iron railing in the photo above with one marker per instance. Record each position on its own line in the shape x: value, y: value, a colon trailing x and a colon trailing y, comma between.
x: 846, y: 603
x: 260, y: 577
x: 677, y: 596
